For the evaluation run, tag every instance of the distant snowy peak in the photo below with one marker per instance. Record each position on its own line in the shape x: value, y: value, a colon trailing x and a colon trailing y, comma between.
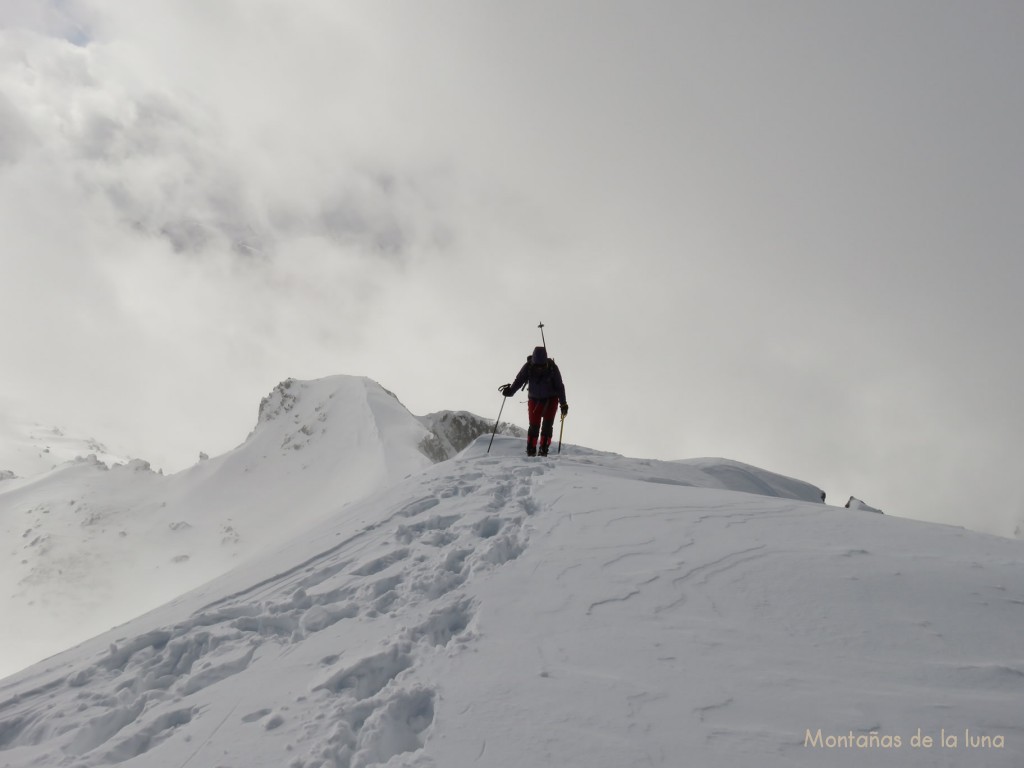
x: 28, y: 448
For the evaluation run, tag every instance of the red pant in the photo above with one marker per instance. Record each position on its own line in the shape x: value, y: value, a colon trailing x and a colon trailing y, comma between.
x: 541, y: 411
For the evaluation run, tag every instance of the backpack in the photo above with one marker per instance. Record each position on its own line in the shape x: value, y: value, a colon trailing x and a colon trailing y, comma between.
x: 543, y: 372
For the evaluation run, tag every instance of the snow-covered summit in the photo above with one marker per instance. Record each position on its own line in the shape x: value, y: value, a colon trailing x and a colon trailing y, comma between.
x: 298, y: 413
x: 345, y: 435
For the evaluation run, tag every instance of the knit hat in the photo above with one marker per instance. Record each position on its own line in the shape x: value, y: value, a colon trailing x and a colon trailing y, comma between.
x: 540, y: 356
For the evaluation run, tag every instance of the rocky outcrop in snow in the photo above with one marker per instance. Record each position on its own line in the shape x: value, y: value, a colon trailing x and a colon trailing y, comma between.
x: 452, y: 431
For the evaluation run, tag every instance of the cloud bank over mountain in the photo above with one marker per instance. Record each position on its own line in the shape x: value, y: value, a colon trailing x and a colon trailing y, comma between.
x: 802, y: 252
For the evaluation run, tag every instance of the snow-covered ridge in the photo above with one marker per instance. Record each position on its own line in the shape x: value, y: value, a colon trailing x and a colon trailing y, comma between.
x: 91, y: 546
x: 582, y: 610
x: 28, y: 448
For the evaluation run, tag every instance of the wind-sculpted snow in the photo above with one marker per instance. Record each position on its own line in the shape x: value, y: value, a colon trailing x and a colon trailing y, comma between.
x: 736, y: 476
x: 504, y: 611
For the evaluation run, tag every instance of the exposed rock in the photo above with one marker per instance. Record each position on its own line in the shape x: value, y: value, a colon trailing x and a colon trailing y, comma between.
x: 451, y: 431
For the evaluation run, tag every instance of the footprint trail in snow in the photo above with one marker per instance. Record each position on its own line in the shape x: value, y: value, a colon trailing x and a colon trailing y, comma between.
x: 343, y: 632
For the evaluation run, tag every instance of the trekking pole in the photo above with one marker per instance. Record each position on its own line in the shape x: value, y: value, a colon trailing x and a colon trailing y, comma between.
x: 542, y: 339
x: 503, y: 398
x: 560, y: 430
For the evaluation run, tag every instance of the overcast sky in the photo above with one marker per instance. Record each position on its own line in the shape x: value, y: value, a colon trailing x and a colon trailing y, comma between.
x: 784, y: 233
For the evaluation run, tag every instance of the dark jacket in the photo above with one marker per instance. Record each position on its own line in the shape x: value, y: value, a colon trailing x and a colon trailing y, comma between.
x: 544, y: 381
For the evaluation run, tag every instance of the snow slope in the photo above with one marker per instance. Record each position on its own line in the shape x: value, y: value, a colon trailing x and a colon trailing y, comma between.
x: 90, y: 546
x: 586, y: 610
